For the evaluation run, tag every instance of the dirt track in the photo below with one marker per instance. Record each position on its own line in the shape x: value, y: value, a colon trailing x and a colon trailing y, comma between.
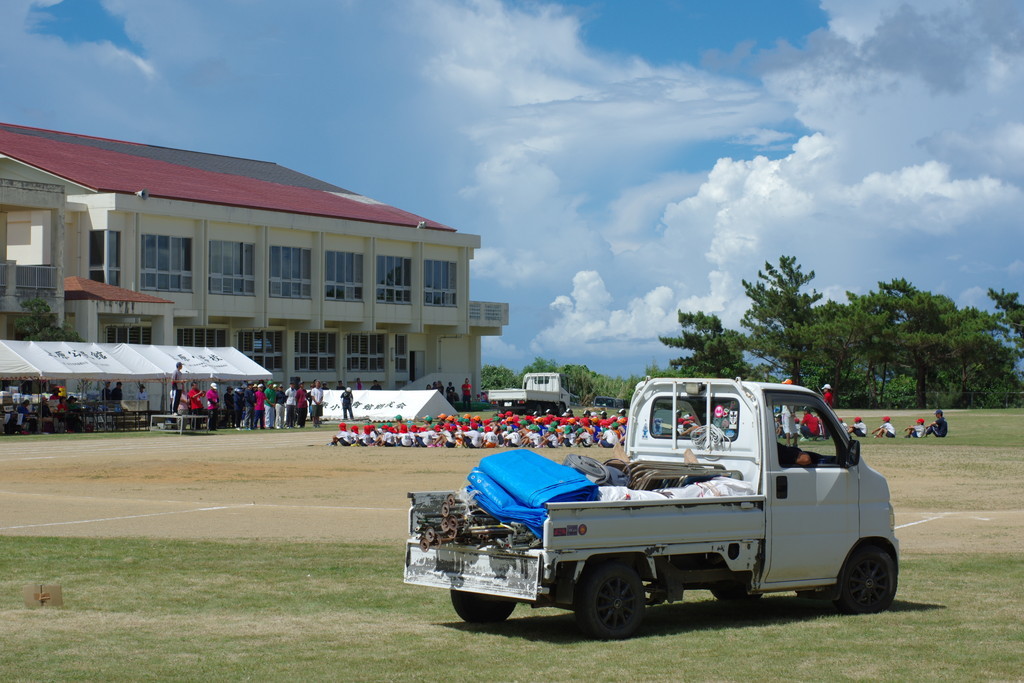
x: 289, y: 485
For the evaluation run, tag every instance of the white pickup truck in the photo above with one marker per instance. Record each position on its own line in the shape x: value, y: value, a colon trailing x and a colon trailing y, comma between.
x: 541, y: 392
x: 823, y: 529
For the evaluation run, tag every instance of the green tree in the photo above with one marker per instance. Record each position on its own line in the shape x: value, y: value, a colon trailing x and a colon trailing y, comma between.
x: 1012, y: 314
x: 499, y: 377
x: 41, y: 324
x: 541, y: 365
x: 715, y: 350
x: 781, y: 316
x: 920, y: 322
x: 977, y: 354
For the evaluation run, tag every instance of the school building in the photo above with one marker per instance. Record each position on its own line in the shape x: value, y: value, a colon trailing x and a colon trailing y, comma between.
x: 144, y: 244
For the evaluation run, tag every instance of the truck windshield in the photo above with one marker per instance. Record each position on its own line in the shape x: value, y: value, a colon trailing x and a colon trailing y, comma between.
x: 691, y: 415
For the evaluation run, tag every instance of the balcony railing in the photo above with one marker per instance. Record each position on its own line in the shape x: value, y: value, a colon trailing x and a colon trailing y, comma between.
x: 35, y: 277
x: 488, y: 313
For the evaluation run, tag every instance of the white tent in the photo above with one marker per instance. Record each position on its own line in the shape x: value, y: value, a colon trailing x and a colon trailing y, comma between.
x: 85, y: 361
x: 77, y: 360
x: 203, y: 363
x: 386, y: 405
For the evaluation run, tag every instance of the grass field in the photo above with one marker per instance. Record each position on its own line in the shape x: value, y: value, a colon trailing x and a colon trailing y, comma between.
x: 248, y: 609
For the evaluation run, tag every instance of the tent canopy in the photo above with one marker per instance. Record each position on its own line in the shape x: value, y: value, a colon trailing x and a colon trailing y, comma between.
x: 86, y: 361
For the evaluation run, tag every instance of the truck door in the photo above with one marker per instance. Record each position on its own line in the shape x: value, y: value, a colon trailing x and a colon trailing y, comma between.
x: 813, y: 517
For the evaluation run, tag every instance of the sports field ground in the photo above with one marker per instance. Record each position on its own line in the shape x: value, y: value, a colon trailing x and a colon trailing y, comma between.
x: 270, y: 556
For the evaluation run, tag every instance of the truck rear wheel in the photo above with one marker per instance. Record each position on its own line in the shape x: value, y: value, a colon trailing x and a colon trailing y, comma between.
x: 481, y: 609
x: 868, y: 582
x: 609, y: 601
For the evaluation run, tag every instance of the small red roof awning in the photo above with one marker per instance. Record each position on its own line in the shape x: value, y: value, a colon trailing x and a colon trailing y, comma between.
x: 80, y: 288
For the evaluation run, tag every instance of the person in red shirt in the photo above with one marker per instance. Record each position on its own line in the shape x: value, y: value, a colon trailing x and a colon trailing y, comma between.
x: 810, y: 426
x: 467, y: 393
x: 195, y: 400
x: 830, y: 398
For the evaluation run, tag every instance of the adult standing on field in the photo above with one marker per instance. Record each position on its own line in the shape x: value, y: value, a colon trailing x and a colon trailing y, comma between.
x: 290, y: 401
x: 346, y: 404
x: 279, y: 400
x: 195, y: 400
x: 467, y: 394
x: 316, y: 403
x: 301, y: 405
x: 177, y: 386
x: 212, y: 404
x: 269, y: 405
x: 830, y: 398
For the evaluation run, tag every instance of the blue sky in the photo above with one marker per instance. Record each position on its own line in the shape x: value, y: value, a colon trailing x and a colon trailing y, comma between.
x: 620, y: 160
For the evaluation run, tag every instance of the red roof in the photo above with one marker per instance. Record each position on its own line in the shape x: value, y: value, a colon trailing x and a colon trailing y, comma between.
x: 104, y: 170
x: 79, y: 288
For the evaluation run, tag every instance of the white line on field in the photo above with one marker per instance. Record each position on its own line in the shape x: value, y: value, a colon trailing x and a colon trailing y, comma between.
x: 922, y: 521
x: 189, y: 502
x: 115, y: 519
x: 206, y: 509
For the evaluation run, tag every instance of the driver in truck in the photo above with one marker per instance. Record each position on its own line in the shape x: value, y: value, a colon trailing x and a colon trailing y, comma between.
x: 791, y: 456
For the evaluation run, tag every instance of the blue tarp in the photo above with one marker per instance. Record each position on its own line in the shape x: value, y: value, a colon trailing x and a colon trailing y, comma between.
x: 533, y: 480
x: 514, y: 486
x: 502, y: 506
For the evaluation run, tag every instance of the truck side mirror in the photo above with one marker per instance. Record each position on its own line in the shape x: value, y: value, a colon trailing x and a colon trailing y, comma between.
x: 852, y: 455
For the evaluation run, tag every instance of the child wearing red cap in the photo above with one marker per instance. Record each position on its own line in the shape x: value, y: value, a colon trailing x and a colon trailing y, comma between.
x: 914, y: 431
x: 886, y: 430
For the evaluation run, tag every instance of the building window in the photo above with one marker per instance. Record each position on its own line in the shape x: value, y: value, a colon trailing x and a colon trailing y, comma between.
x: 105, y: 256
x: 290, y: 272
x: 266, y: 347
x: 315, y: 350
x: 167, y: 263
x: 401, y: 353
x: 394, y: 280
x: 365, y: 352
x: 232, y: 269
x: 202, y: 336
x: 439, y: 283
x: 129, y: 334
x: 343, y: 276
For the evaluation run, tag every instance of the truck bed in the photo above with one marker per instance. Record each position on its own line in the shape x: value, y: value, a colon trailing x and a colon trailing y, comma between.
x: 577, y: 531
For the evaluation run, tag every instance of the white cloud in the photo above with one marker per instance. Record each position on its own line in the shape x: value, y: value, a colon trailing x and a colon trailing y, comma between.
x: 974, y: 296
x: 497, y: 351
x: 908, y: 148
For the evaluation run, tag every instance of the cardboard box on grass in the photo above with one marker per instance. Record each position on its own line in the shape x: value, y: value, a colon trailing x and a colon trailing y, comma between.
x: 41, y: 595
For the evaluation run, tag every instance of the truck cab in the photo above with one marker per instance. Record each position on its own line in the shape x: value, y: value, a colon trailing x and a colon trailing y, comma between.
x: 816, y: 512
x: 541, y: 392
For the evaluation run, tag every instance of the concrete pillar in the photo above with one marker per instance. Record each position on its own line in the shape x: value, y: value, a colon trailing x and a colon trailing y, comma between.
x: 316, y: 279
x: 201, y: 270
x: 417, y: 295
x: 462, y: 295
x: 262, y: 272
x: 3, y: 236
x: 57, y: 238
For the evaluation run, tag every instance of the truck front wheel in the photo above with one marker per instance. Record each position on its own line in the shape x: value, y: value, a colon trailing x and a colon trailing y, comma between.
x: 481, y: 609
x: 868, y: 582
x: 609, y: 601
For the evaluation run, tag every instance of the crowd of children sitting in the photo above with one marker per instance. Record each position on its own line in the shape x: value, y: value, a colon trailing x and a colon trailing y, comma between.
x: 505, y: 430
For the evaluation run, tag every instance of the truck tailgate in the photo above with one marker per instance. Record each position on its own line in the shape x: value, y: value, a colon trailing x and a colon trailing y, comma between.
x: 475, y: 570
x: 637, y: 523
